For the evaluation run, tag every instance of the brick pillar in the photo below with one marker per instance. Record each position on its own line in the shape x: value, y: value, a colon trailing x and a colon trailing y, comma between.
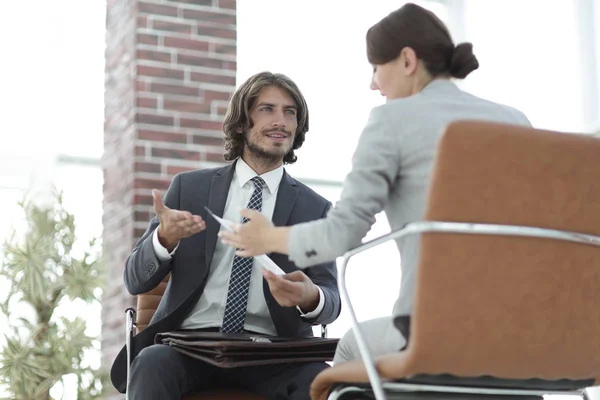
x: 170, y: 71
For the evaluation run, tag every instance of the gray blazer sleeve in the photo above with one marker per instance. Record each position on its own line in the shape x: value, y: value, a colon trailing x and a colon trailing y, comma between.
x: 143, y: 269
x: 375, y: 167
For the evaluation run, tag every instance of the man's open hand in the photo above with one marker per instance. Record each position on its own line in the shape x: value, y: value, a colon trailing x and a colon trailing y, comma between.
x: 174, y: 224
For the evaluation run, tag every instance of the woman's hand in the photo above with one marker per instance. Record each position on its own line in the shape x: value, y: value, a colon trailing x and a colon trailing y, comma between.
x: 255, y: 237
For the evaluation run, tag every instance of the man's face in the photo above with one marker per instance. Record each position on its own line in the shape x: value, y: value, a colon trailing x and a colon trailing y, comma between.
x: 274, y: 115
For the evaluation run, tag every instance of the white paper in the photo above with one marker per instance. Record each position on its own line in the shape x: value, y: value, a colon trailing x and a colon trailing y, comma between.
x: 263, y: 259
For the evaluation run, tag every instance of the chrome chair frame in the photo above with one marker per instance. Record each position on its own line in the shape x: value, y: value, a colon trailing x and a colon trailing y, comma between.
x: 130, y: 324
x: 443, y: 227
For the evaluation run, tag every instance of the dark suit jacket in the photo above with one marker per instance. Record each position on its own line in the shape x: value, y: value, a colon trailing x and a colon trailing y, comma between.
x: 190, y: 265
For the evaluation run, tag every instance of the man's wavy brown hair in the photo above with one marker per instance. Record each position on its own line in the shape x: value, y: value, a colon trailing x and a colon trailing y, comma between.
x: 238, y: 113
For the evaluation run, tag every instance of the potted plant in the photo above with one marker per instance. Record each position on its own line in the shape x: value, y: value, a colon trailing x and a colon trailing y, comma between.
x: 46, y: 270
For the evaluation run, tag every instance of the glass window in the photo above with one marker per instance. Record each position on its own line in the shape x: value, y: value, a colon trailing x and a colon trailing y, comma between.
x: 525, y: 60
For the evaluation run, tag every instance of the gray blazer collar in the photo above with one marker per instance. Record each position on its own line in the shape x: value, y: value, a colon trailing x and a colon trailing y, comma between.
x: 438, y: 85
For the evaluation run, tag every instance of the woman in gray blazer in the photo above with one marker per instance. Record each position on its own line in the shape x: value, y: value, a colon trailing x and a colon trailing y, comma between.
x: 413, y: 59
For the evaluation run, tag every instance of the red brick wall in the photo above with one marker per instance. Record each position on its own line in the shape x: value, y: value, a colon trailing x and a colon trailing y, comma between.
x: 170, y: 71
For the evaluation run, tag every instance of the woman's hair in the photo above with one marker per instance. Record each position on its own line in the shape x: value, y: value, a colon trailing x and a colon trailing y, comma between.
x: 238, y: 113
x: 420, y: 29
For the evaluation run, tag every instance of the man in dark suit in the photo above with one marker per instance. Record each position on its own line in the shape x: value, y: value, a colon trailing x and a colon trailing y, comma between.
x: 210, y: 287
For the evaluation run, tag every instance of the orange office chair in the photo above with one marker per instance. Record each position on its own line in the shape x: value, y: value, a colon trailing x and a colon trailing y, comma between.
x: 507, y: 295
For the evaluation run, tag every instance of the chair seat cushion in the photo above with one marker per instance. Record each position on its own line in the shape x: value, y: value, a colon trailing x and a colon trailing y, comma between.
x: 564, y: 385
x: 353, y: 373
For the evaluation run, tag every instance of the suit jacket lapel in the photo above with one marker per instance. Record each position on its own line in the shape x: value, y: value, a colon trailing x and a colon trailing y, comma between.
x: 219, y: 189
x: 286, y: 198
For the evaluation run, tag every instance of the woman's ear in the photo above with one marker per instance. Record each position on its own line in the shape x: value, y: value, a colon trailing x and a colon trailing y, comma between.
x: 409, y: 60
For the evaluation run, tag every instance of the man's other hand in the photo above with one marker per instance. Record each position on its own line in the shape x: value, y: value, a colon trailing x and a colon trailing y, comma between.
x: 294, y: 289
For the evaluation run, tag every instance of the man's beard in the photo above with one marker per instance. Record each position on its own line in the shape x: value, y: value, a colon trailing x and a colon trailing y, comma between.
x: 259, y: 153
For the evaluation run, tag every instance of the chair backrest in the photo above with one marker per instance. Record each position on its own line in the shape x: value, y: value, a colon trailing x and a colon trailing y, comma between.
x: 510, y: 307
x: 147, y: 304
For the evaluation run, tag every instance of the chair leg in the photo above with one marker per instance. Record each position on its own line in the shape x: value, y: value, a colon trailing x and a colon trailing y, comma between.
x: 130, y: 324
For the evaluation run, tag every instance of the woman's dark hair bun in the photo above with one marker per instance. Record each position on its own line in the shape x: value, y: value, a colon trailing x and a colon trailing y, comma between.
x: 463, y: 61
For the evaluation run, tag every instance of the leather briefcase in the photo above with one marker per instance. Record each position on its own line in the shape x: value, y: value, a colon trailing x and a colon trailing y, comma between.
x: 229, y: 350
